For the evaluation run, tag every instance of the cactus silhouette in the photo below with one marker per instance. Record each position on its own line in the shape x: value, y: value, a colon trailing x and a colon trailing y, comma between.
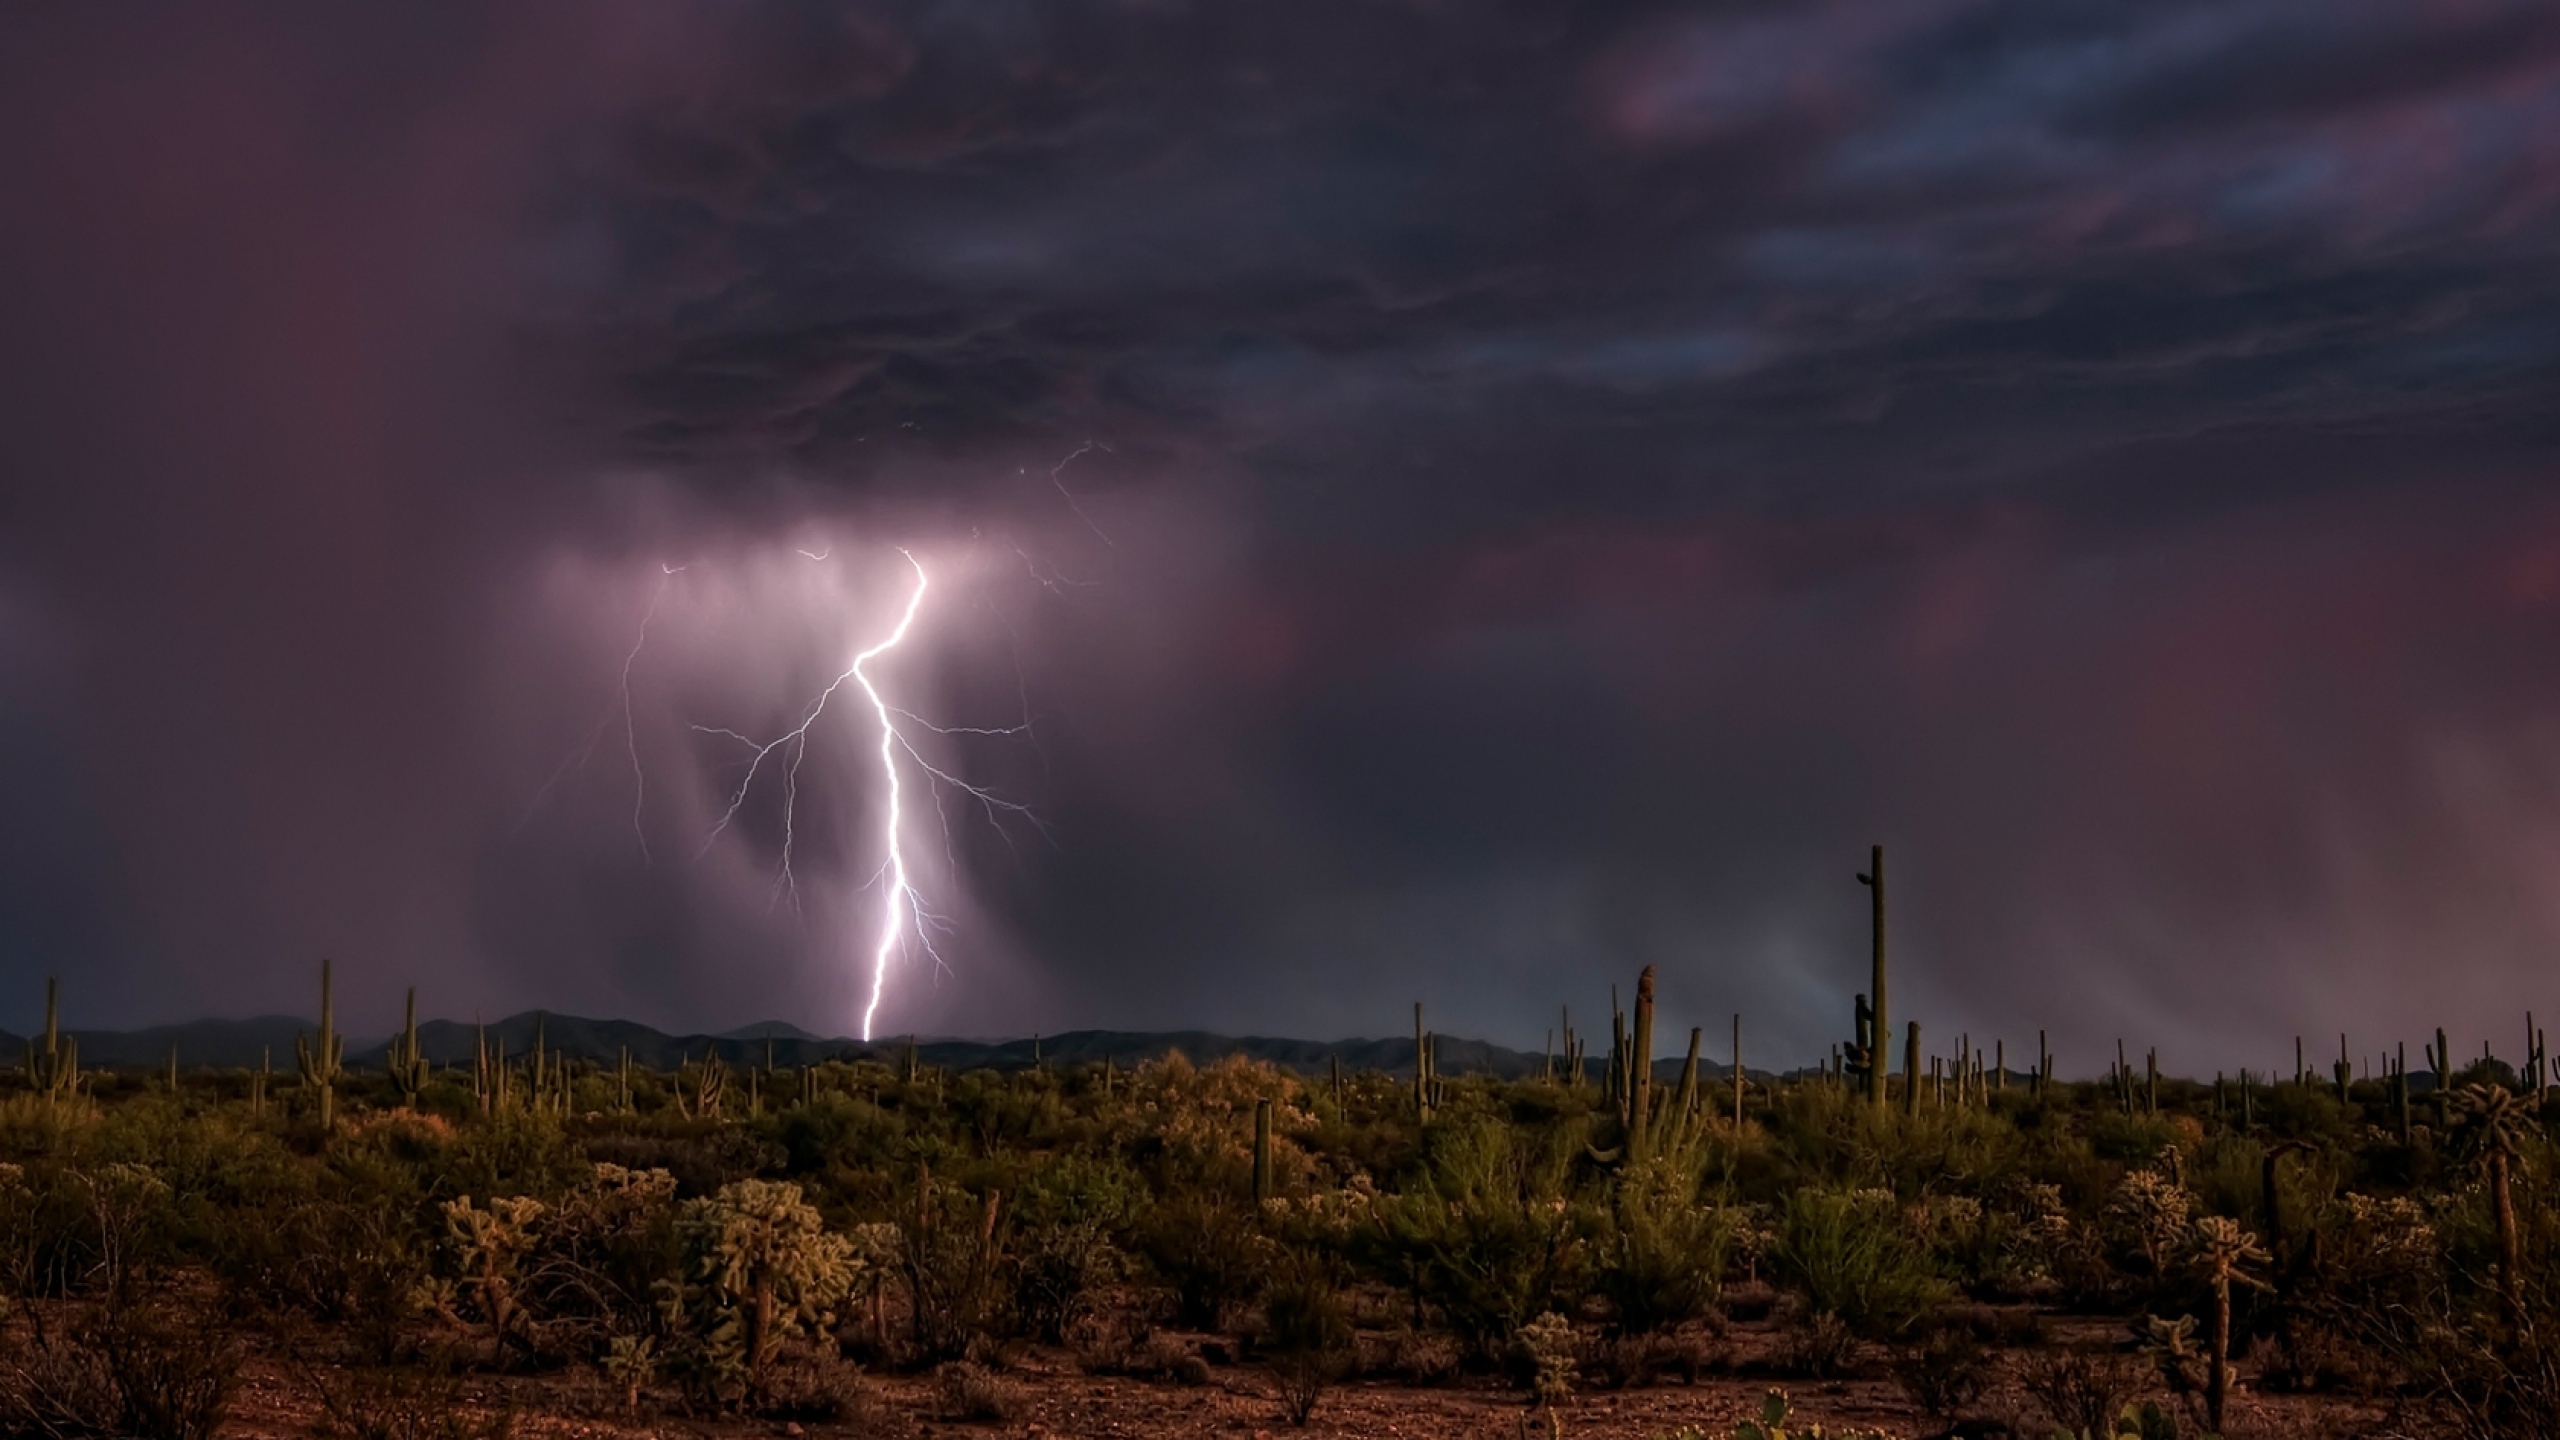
x: 318, y: 1060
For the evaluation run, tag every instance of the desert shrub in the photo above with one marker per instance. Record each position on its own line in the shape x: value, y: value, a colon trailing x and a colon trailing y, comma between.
x: 148, y: 1369
x: 372, y: 1403
x: 951, y: 1255
x: 966, y: 1391
x: 1421, y: 1358
x: 603, y: 1257
x: 1945, y: 1372
x: 701, y: 1155
x: 1773, y: 1423
x: 1849, y: 1255
x: 1306, y: 1333
x: 1065, y: 1253
x: 1488, y: 1235
x: 1658, y: 1255
x: 347, y: 1268
x: 1209, y: 1251
x: 1818, y: 1345
x: 2082, y: 1390
x: 1061, y: 1270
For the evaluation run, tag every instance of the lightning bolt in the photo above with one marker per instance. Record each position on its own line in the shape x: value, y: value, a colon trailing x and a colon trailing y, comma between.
x: 898, y: 898
x: 577, y: 758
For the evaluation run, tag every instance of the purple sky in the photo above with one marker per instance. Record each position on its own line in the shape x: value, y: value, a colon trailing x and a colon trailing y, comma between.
x: 1563, y: 481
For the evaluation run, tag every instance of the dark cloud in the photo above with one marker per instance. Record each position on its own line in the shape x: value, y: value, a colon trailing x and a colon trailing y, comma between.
x: 1566, y: 481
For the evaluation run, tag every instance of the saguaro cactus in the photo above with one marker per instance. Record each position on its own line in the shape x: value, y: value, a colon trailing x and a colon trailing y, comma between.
x: 1740, y: 1079
x: 1688, y: 1098
x: 1262, y: 1191
x: 407, y: 1063
x: 1881, y: 1023
x: 54, y: 1071
x: 1426, y: 1079
x: 1640, y: 1065
x: 1911, y: 1070
x: 319, y: 1060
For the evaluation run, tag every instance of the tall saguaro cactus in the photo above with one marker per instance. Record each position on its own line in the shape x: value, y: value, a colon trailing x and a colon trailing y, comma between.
x: 1911, y: 1070
x: 1262, y: 1191
x: 1425, y: 1082
x: 407, y: 1063
x: 318, y: 1061
x: 1881, y: 1023
x: 1640, y: 1066
x: 54, y: 1071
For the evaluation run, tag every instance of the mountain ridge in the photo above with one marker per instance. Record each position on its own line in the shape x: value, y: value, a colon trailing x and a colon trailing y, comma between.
x: 245, y: 1043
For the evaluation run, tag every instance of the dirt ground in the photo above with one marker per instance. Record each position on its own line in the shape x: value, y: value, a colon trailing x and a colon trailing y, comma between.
x: 1051, y: 1398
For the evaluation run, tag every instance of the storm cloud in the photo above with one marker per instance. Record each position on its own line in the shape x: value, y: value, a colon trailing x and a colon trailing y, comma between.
x: 1460, y: 501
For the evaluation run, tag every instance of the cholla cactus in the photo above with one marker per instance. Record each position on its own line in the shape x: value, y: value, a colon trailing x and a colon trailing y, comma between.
x: 767, y: 1268
x: 489, y: 1246
x: 1547, y: 1344
x: 2492, y: 1128
x: 2151, y: 1212
x: 2224, y: 1253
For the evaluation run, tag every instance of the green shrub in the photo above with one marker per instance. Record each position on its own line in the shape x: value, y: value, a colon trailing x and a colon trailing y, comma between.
x: 1488, y: 1235
x: 1658, y: 1254
x: 1849, y: 1254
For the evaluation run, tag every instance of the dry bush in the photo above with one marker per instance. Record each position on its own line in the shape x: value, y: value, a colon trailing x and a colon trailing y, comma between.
x: 966, y: 1391
x: 134, y: 1369
x: 1945, y: 1373
x: 2082, y: 1389
x: 1106, y: 1343
x: 1307, y: 1333
x: 1423, y: 1358
x: 1819, y: 1346
x: 1618, y: 1362
x: 817, y: 1389
x: 379, y: 1404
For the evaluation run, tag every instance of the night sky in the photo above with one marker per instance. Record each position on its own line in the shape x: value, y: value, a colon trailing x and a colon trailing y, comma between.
x: 1469, y: 500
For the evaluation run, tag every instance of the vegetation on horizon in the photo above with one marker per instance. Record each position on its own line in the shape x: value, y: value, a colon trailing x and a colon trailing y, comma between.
x: 719, y: 1238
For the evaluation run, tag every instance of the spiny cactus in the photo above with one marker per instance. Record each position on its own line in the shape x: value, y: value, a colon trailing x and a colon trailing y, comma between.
x: 491, y: 1245
x: 1423, y: 1092
x: 1262, y: 1191
x: 1640, y: 1067
x: 767, y: 1267
x: 1772, y: 1425
x: 2493, y: 1129
x: 1911, y: 1068
x: 1880, y: 1023
x: 2224, y: 1253
x: 709, y: 1087
x: 259, y: 1079
x: 1687, y: 1101
x: 54, y: 1071
x: 408, y: 1065
x: 1741, y: 1077
x: 319, y: 1060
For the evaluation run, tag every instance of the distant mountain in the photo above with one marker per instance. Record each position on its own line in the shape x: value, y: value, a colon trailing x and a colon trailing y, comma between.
x: 771, y: 1030
x: 239, y: 1044
x: 219, y: 1043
